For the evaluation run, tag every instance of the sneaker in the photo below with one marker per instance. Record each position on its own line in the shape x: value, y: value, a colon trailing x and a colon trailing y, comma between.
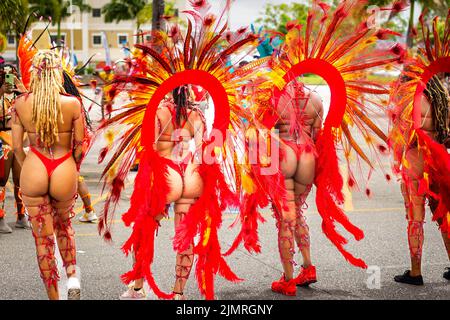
x: 4, y: 228
x: 282, y: 286
x: 406, y: 278
x: 132, y: 294
x: 74, y: 291
x: 22, y: 224
x: 446, y: 274
x: 306, y: 276
x: 88, y: 217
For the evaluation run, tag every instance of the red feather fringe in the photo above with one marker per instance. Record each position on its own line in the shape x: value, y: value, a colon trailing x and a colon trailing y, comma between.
x: 248, y: 218
x: 145, y: 207
x: 437, y: 162
x: 329, y: 185
x: 205, y: 218
x: 269, y: 189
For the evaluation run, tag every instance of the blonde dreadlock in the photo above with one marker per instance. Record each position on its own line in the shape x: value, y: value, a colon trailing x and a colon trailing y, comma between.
x: 46, y: 86
x: 440, y: 102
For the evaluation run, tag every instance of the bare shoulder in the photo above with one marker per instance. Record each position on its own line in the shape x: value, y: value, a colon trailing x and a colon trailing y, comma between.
x: 21, y: 101
x: 70, y: 101
x: 163, y: 112
x: 196, y: 114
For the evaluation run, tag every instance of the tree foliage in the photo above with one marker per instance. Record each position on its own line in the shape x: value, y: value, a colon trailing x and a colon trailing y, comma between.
x: 429, y: 7
x: 122, y: 10
x: 13, y: 15
x: 56, y: 11
x: 275, y: 17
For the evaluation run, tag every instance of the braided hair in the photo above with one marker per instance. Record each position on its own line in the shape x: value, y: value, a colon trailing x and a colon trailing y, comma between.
x: 439, y: 99
x: 72, y: 89
x: 46, y: 86
x: 181, y: 99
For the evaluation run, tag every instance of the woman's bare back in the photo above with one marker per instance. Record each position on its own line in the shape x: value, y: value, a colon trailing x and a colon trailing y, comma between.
x: 36, y: 180
x: 173, y: 143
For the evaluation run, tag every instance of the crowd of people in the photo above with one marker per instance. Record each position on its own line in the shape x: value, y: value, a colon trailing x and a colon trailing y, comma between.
x: 184, y: 165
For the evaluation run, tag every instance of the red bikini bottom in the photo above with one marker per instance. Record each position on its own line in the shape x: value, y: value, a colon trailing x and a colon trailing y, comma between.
x: 50, y: 164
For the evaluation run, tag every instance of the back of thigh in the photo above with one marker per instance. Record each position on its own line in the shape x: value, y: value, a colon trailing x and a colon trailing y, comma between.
x: 193, y: 182
x: 33, y: 178
x: 289, y: 162
x: 306, y: 169
x: 63, y: 182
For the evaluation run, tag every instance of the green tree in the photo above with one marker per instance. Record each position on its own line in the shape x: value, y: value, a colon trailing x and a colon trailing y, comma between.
x: 275, y: 17
x: 57, y: 11
x: 146, y: 14
x: 13, y: 15
x: 434, y: 7
x: 124, y: 10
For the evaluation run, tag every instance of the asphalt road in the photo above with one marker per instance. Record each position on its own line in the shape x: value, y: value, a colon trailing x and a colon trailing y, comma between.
x: 384, y: 249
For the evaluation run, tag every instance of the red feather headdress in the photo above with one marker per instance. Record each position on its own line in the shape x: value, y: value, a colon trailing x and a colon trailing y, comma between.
x: 431, y: 59
x: 342, y: 55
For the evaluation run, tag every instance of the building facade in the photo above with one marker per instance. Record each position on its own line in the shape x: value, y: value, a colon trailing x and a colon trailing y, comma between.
x: 88, y: 35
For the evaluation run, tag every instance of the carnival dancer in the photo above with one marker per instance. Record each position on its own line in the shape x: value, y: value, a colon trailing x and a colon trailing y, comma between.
x: 298, y: 135
x: 54, y: 123
x: 173, y: 60
x: 8, y: 161
x: 420, y: 144
x: 178, y: 122
x: 308, y: 149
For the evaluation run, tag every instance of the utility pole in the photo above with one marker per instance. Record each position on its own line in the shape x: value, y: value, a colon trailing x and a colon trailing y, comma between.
x: 158, y: 12
x: 72, y: 22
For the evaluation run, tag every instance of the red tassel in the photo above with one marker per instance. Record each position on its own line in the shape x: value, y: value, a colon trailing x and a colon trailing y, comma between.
x: 329, y: 185
x: 204, y: 219
x: 249, y: 232
x: 437, y: 162
x: 269, y: 189
x: 145, y: 207
x: 109, y: 108
x: 102, y: 155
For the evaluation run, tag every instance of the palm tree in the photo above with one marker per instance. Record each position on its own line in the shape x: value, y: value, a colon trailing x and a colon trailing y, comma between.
x: 123, y: 10
x: 13, y: 15
x: 57, y: 11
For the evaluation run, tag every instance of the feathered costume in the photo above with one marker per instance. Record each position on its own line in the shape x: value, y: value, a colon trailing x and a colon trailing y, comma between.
x: 201, y: 57
x: 407, y: 131
x: 342, y: 55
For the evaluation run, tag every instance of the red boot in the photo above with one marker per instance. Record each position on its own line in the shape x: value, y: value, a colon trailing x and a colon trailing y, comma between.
x: 306, y: 276
x: 282, y: 286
